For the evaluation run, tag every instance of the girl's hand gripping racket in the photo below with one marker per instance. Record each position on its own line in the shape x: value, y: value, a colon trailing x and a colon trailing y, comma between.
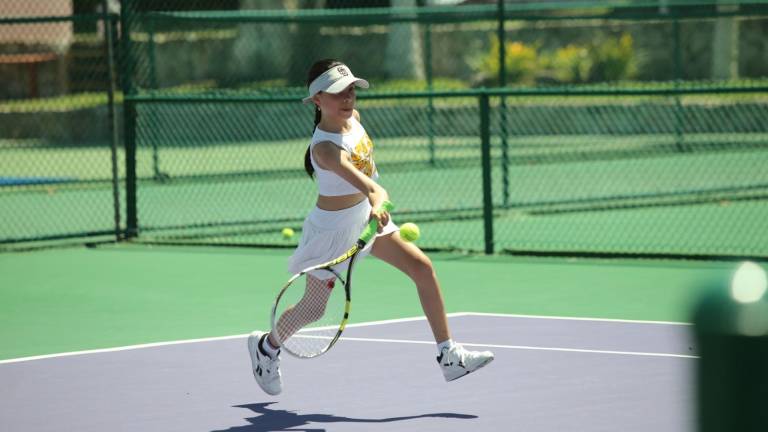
x: 309, y: 314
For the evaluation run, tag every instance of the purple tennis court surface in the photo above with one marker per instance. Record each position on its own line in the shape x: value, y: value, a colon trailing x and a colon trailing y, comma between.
x: 549, y: 374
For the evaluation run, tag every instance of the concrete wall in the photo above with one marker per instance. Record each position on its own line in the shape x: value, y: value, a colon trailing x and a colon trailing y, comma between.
x: 55, y: 35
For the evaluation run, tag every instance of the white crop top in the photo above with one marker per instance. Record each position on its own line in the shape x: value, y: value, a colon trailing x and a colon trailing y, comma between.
x: 359, y: 146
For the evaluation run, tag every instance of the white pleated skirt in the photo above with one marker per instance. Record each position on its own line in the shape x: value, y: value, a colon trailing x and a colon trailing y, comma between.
x: 328, y: 234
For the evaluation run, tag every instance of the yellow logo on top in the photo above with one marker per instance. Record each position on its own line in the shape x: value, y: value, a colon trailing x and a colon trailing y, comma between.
x: 362, y: 157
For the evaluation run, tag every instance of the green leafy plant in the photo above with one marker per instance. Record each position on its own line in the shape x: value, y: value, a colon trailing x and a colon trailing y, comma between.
x: 608, y: 59
x: 570, y: 64
x: 520, y: 63
x: 614, y: 59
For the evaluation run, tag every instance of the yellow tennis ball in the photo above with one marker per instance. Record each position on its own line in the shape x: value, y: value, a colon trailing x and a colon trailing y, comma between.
x: 409, y: 231
x: 287, y: 233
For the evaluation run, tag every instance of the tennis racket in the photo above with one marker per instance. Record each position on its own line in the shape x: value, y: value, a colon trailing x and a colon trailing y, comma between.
x: 309, y: 314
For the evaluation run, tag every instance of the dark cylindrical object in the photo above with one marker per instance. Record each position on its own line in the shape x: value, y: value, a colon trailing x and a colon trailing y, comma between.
x: 731, y: 327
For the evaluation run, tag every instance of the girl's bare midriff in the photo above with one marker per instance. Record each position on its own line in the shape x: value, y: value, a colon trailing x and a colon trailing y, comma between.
x: 339, y: 202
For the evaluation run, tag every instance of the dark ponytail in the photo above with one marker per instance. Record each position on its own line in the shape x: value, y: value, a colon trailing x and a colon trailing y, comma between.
x: 315, y: 71
x: 307, y: 158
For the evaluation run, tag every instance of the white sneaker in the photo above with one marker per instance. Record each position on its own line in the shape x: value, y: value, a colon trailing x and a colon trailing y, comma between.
x: 457, y: 361
x: 266, y: 370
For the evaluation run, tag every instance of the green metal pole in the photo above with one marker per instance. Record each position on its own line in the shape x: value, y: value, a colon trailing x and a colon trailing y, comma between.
x: 151, y: 53
x: 503, y: 106
x: 678, y: 62
x: 153, y: 86
x: 129, y: 119
x: 485, y: 149
x: 430, y: 99
x: 502, y: 42
x: 112, y: 119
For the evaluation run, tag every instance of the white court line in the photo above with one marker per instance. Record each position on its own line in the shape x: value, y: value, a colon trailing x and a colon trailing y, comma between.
x: 188, y: 341
x: 373, y: 323
x: 550, y: 317
x: 520, y: 347
x: 122, y: 348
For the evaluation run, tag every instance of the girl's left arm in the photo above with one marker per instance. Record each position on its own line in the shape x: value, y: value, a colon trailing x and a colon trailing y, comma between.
x: 331, y: 157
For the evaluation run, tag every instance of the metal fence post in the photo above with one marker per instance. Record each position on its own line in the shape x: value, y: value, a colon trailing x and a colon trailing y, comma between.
x: 678, y: 66
x: 430, y: 100
x: 503, y: 106
x: 112, y: 119
x: 129, y: 118
x: 485, y: 149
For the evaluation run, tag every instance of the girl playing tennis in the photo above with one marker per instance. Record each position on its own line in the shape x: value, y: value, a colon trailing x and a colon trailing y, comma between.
x: 340, y: 158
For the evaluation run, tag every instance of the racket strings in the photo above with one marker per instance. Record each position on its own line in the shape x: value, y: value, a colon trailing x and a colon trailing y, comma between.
x: 307, y: 325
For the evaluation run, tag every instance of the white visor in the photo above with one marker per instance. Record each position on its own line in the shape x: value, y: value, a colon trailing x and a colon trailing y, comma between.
x: 334, y: 80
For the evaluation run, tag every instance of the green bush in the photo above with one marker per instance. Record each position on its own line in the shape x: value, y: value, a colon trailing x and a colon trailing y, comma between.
x: 614, y: 59
x: 520, y: 63
x: 610, y: 59
x: 570, y: 64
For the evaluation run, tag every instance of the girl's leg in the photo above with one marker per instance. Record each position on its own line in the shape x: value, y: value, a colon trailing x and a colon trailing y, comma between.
x: 409, y: 259
x: 455, y: 361
x: 309, y: 309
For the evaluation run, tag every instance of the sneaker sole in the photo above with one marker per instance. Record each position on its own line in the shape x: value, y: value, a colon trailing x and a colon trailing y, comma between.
x: 482, y: 365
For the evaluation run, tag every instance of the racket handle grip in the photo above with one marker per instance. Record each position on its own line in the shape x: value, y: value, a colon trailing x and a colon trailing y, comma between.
x: 370, y: 230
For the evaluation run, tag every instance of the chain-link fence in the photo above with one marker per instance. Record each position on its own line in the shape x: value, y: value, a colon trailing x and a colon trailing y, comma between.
x: 58, y: 139
x: 614, y: 128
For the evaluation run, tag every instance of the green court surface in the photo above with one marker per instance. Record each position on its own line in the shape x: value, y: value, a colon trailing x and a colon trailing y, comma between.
x: 72, y: 299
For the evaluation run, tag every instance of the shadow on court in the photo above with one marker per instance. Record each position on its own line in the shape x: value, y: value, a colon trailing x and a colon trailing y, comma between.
x: 283, y: 420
